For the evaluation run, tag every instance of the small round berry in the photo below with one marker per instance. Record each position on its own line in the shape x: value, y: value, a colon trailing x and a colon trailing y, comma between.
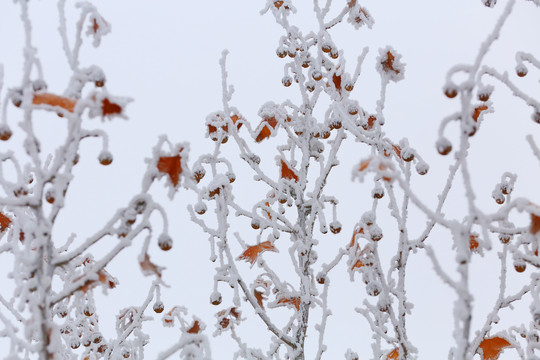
x: 105, y: 158
x: 317, y: 75
x: 158, y: 307
x: 215, y: 298
x: 521, y: 70
x: 377, y: 192
x: 286, y: 81
x: 335, y: 227
x: 520, y: 266
x: 321, y: 278
x: 200, y: 208
x: 444, y: 146
x: 373, y: 289
x: 255, y: 224
x: 5, y: 132
x: 450, y: 92
x: 165, y: 242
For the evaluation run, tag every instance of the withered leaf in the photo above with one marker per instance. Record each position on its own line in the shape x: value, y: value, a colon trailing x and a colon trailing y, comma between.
x: 287, y: 172
x: 5, y: 222
x: 252, y: 252
x: 54, y: 100
x: 265, y: 131
x: 149, y: 268
x: 493, y: 347
x: 171, y: 165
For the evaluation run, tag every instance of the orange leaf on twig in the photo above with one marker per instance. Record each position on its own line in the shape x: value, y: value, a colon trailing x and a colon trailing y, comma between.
x: 493, y: 347
x: 477, y: 111
x: 287, y: 172
x: 4, y: 222
x: 294, y: 301
x: 394, y: 354
x: 252, y: 252
x: 259, y: 296
x: 149, y: 268
x: 195, y: 328
x: 265, y: 131
x: 170, y: 165
x: 535, y: 224
x: 109, y: 108
x: 54, y: 100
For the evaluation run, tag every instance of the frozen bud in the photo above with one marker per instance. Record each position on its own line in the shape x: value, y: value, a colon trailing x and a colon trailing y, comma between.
x: 16, y: 97
x: 536, y: 116
x: 536, y: 318
x: 230, y: 175
x: 140, y: 206
x: 521, y: 70
x: 5, y: 132
x: 281, y: 52
x: 165, y: 242
x: 353, y: 109
x: 377, y: 192
x: 505, y: 238
x: 256, y: 159
x: 407, y: 154
x: 498, y: 195
x: 376, y: 233
x: 506, y: 188
x: 158, y: 307
x: 520, y: 266
x: 286, y: 81
x: 215, y: 298
x: 422, y: 167
x: 316, y: 75
x: 255, y: 223
x: 49, y: 196
x: 444, y: 146
x: 105, y: 158
x: 326, y: 47
x: 489, y: 3
x: 321, y: 278
x: 450, y: 91
x: 200, y: 208
x: 383, y: 305
x: 324, y: 229
x: 97, y: 338
x: 373, y: 288
x: 335, y: 227
x: 368, y: 218
x: 76, y: 159
x: 313, y: 257
x: 199, y: 173
x: 88, y: 310
x: 75, y: 343
x: 39, y: 85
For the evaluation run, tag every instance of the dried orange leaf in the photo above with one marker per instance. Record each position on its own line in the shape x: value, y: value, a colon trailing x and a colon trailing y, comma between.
x: 109, y: 108
x: 54, y: 100
x: 195, y: 328
x: 294, y: 301
x: 493, y: 347
x: 364, y: 164
x: 4, y: 222
x: 265, y: 131
x: 535, y: 224
x: 252, y: 252
x: 170, y: 165
x: 473, y: 243
x: 149, y: 268
x: 388, y: 64
x: 287, y: 172
x: 358, y: 264
x: 336, y: 79
x: 394, y: 354
x: 259, y: 296
x: 477, y: 111
x: 355, y: 232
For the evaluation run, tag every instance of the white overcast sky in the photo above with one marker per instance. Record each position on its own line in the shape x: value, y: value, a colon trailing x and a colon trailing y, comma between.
x: 164, y: 55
